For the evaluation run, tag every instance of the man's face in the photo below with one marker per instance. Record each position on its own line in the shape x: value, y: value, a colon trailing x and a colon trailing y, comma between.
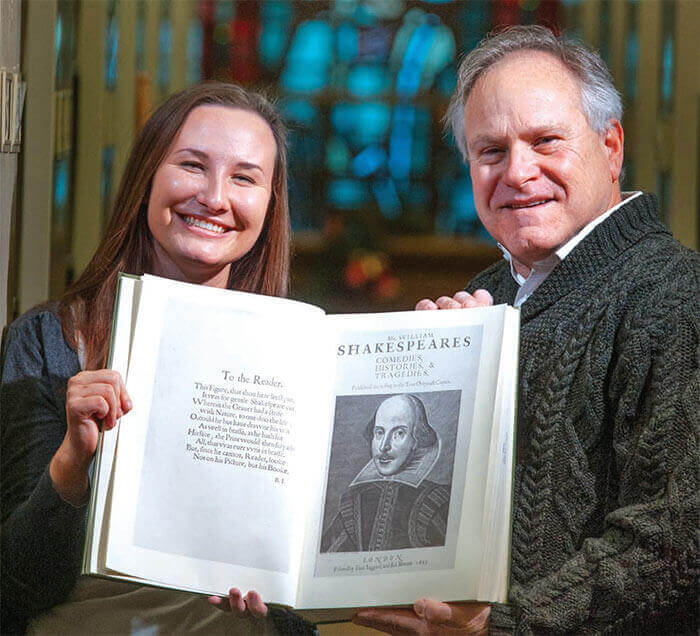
x: 392, y: 441
x: 540, y: 173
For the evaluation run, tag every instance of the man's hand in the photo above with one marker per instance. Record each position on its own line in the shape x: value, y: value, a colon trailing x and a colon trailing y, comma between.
x: 428, y: 618
x: 461, y: 300
x: 250, y: 605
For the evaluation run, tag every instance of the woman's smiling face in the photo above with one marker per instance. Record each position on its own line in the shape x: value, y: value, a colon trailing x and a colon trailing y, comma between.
x: 210, y: 195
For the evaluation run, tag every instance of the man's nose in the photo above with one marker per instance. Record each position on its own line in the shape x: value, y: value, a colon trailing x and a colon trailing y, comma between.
x: 386, y: 443
x: 214, y: 193
x: 521, y: 166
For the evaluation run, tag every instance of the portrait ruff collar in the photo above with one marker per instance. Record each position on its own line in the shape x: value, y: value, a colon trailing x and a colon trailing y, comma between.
x: 412, y: 473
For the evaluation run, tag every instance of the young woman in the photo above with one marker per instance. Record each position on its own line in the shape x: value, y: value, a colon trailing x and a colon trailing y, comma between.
x: 203, y: 199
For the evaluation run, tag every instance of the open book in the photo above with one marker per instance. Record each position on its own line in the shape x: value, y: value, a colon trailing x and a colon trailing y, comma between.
x: 326, y: 461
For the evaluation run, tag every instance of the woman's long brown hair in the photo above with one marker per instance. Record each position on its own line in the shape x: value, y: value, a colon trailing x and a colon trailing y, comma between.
x: 86, y: 308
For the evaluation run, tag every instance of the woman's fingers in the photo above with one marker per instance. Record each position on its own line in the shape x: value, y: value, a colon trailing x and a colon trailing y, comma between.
x: 106, y: 384
x: 250, y: 605
x: 255, y: 606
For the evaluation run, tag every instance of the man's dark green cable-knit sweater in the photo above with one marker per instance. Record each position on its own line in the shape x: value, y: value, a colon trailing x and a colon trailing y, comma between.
x: 605, y: 526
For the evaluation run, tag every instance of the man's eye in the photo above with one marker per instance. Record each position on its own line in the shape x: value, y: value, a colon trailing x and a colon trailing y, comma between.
x: 491, y: 155
x: 378, y: 433
x: 544, y: 141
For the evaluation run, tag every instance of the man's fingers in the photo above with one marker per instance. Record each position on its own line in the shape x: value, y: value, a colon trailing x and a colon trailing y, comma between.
x: 483, y: 297
x: 255, y: 605
x: 445, y: 302
x: 480, y: 298
x: 391, y: 621
x: 424, y: 304
x: 470, y: 617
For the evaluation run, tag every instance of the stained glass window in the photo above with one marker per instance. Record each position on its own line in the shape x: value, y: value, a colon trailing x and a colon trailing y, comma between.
x: 364, y: 85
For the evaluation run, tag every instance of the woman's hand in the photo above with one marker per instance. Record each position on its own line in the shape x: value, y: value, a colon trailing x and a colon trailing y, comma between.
x: 250, y: 605
x: 94, y: 400
x: 461, y: 300
x: 428, y: 618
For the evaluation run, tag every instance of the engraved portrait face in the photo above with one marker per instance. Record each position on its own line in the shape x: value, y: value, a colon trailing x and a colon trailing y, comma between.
x: 392, y: 438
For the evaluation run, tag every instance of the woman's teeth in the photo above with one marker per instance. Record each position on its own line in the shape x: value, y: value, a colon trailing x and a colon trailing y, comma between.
x: 205, y: 225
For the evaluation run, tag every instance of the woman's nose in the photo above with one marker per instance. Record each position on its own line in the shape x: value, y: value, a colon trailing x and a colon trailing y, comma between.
x: 214, y: 194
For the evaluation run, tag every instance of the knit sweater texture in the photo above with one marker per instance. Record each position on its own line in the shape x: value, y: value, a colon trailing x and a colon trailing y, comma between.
x: 605, y: 525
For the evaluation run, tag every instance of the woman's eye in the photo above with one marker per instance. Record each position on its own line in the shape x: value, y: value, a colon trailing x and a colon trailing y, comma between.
x: 194, y: 165
x: 243, y: 177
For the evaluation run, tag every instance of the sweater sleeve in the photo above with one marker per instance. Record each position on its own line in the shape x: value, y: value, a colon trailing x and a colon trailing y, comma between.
x: 41, y: 536
x: 641, y: 574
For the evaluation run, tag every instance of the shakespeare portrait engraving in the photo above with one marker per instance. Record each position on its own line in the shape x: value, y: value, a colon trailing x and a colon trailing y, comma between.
x: 399, y: 496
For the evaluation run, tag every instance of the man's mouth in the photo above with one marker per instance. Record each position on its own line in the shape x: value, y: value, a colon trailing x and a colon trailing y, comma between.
x: 212, y: 226
x: 385, y: 459
x: 515, y: 205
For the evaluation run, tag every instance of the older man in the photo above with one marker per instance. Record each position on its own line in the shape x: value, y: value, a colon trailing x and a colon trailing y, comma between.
x: 390, y: 505
x: 605, y: 498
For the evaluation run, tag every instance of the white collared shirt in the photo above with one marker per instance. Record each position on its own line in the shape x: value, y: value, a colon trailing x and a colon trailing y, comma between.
x: 541, y: 269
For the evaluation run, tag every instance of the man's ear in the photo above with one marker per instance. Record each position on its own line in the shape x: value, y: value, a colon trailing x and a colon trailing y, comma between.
x: 614, y: 142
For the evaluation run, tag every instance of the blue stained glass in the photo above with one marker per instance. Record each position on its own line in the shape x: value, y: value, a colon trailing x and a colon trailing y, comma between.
x: 347, y: 193
x: 195, y: 43
x: 365, y: 15
x: 276, y: 17
x: 165, y: 45
x: 61, y: 187
x: 374, y: 44
x: 446, y: 81
x: 368, y: 161
x: 366, y: 80
x: 361, y: 124
x: 425, y: 47
x: 337, y: 155
x: 667, y: 70
x: 408, y: 79
x: 58, y: 36
x: 401, y: 141
x: 631, y: 62
x: 475, y: 21
x: 347, y: 38
x: 309, y: 57
x: 111, y: 46
x: 301, y: 111
x: 460, y: 215
x: 387, y: 197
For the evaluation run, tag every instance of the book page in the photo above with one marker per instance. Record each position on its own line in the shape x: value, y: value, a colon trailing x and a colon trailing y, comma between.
x: 400, y: 513
x: 204, y: 490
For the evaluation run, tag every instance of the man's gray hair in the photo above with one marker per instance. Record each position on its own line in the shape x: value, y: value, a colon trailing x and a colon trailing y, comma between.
x: 600, y: 100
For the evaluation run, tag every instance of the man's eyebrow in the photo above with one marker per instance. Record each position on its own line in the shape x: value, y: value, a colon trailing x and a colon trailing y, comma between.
x: 484, y: 140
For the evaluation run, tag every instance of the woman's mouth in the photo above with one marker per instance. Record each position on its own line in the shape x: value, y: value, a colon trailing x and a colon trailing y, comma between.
x: 204, y: 224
